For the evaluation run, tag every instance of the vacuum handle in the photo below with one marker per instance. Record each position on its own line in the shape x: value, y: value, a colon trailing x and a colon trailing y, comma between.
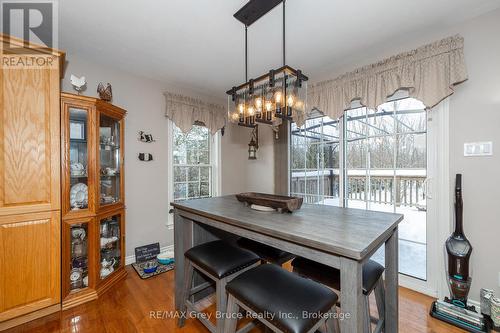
x: 458, y: 182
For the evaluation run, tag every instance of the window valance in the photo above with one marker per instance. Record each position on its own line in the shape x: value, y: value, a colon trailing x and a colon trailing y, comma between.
x: 184, y: 111
x: 429, y: 73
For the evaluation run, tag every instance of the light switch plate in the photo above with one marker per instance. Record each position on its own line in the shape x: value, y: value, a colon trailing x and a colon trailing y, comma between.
x: 484, y: 148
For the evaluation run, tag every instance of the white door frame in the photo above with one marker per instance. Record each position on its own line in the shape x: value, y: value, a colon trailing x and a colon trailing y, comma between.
x: 438, y: 204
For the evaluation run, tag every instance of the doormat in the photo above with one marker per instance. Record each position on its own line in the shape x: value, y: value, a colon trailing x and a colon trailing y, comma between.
x: 139, y: 268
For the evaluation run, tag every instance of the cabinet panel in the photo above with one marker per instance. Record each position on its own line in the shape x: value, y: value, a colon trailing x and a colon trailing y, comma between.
x: 111, y: 243
x: 110, y: 160
x: 78, y: 273
x: 78, y: 158
x: 29, y: 263
x: 29, y: 141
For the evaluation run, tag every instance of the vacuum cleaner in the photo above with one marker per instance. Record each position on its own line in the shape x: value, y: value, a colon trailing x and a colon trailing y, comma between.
x: 455, y: 310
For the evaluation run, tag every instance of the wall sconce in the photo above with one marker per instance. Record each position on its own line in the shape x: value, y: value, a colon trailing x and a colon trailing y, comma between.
x: 253, y: 146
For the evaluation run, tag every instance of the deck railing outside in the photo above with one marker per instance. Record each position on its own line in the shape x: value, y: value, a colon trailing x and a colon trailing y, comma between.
x: 404, y: 190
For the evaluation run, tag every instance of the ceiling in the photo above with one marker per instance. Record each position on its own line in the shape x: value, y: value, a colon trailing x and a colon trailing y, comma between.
x: 197, y: 44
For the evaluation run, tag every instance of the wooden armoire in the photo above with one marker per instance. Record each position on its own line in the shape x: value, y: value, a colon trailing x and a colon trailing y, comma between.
x: 30, y: 223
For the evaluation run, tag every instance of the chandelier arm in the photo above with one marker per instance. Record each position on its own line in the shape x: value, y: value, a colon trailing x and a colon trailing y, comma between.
x: 284, y: 39
x: 246, y: 53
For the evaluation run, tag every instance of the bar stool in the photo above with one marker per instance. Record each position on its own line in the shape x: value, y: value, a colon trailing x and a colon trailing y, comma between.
x: 329, y: 276
x: 267, y: 253
x: 280, y: 299
x: 221, y: 262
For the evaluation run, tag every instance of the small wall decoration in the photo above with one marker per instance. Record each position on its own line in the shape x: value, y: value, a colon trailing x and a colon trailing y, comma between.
x: 78, y: 83
x: 146, y: 157
x: 145, y: 137
x: 105, y: 93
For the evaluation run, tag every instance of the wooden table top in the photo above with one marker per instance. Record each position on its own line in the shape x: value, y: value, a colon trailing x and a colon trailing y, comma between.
x: 346, y: 232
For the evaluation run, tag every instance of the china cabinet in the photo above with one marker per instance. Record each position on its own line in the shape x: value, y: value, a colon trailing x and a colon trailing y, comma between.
x: 30, y: 216
x: 92, y: 197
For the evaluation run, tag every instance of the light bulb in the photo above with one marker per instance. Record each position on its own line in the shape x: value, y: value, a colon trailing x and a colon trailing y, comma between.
x: 277, y: 97
x: 290, y: 99
x: 258, y: 103
x: 269, y: 106
x: 235, y: 116
x: 241, y: 107
x: 251, y: 111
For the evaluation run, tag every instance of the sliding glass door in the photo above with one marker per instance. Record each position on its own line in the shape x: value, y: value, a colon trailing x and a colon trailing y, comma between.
x: 315, y: 161
x: 386, y: 170
x: 378, y: 158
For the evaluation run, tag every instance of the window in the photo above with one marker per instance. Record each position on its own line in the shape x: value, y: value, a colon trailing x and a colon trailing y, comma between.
x: 192, y: 163
x: 371, y: 159
x: 315, y: 161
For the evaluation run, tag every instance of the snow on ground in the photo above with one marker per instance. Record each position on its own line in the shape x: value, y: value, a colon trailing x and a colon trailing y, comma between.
x: 412, y: 237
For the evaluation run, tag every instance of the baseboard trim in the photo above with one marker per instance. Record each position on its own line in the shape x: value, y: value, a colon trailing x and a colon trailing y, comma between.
x: 129, y: 260
x: 10, y: 323
x: 417, y: 286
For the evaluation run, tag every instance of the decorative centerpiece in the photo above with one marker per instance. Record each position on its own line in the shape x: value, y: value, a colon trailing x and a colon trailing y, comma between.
x: 105, y: 92
x: 280, y: 203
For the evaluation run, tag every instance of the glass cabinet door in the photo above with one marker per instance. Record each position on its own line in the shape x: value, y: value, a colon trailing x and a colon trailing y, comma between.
x: 79, y: 258
x: 109, y: 154
x: 78, y: 155
x: 110, y: 245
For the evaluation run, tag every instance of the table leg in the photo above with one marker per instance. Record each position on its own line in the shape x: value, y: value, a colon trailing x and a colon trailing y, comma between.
x: 351, y: 295
x: 391, y: 283
x: 183, y: 241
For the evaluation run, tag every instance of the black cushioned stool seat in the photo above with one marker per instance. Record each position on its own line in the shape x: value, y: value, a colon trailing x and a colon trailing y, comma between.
x: 220, y: 258
x: 269, y: 289
x: 265, y: 252
x: 220, y: 262
x: 330, y: 276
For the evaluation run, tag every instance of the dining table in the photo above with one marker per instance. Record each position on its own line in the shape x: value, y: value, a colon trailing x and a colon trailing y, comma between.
x: 343, y: 238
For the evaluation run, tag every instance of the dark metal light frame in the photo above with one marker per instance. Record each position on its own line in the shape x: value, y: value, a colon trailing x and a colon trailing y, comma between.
x: 286, y: 75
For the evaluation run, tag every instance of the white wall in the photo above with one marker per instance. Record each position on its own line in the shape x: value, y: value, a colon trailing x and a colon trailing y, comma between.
x: 474, y: 116
x: 146, y: 183
x: 239, y: 174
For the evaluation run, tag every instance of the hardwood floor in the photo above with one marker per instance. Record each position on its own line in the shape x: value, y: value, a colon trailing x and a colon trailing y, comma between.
x: 133, y: 305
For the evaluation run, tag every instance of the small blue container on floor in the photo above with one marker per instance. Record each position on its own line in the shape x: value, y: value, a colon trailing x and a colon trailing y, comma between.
x: 166, y: 258
x: 150, y: 267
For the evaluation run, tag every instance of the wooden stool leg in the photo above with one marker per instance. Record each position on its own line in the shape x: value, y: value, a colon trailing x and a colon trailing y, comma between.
x: 232, y: 313
x: 332, y: 324
x: 221, y: 304
x: 380, y: 298
x: 366, y: 316
x: 188, y: 282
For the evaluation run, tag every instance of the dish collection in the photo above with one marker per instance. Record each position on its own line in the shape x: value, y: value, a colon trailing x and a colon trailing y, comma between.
x: 79, y: 196
x: 78, y: 275
x: 110, y: 246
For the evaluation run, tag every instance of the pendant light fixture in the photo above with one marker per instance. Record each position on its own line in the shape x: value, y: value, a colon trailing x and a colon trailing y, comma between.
x: 279, y: 94
x: 253, y: 146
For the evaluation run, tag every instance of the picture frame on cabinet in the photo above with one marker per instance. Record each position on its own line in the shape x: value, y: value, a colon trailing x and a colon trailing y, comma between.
x: 77, y: 130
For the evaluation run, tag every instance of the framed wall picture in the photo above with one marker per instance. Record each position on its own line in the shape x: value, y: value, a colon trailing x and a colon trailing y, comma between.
x: 77, y: 130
